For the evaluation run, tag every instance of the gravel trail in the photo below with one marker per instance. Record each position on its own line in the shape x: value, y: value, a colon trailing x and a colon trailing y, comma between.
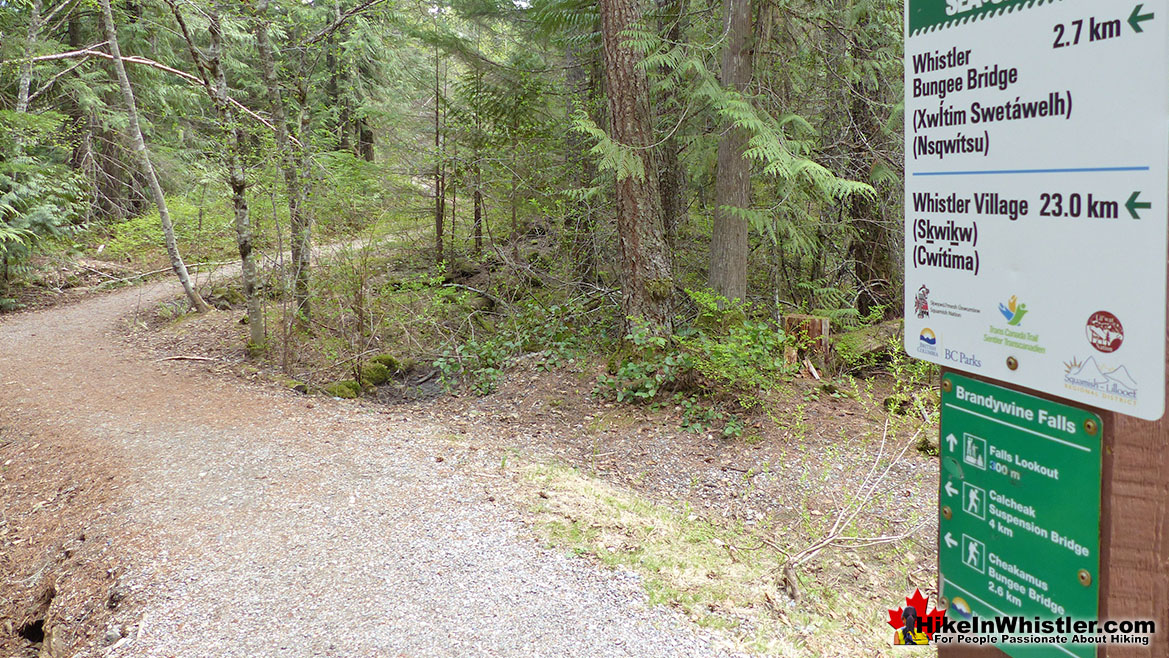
x: 280, y: 525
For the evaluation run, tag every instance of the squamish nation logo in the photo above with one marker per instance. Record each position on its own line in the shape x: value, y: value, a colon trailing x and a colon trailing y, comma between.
x: 921, y: 303
x: 913, y: 624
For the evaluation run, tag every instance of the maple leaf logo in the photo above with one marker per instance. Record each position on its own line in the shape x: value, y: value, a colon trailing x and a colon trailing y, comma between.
x: 927, y: 622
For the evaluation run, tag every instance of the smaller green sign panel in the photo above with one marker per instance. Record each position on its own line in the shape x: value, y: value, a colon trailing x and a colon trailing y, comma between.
x: 1019, y: 503
x: 930, y: 14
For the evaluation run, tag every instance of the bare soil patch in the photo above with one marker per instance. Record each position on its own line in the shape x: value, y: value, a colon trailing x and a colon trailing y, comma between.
x: 62, y: 544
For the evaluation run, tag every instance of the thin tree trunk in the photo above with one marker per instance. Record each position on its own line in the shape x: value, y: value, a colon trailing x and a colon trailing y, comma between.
x: 875, y: 266
x: 728, y: 240
x: 139, y: 143
x: 34, y: 28
x: 236, y: 178
x: 478, y: 208
x: 673, y: 178
x: 646, y: 279
x: 580, y: 219
x: 515, y: 237
x: 300, y: 225
x: 439, y: 210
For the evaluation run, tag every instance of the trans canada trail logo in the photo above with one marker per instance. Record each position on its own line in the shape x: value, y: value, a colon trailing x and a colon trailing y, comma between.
x: 913, y: 625
x: 1013, y: 311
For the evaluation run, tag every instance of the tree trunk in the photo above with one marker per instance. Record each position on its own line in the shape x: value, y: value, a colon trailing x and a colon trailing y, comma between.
x: 300, y: 225
x: 673, y: 20
x: 365, y: 140
x: 439, y: 201
x: 478, y: 207
x: 34, y: 27
x: 732, y: 187
x: 236, y: 178
x: 580, y: 219
x: 139, y: 143
x: 646, y: 279
x: 875, y: 265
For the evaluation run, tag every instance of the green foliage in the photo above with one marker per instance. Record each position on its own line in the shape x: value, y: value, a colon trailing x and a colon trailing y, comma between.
x: 553, y: 332
x: 204, y: 231
x: 40, y: 196
x: 699, y: 416
x: 733, y: 351
x: 913, y: 383
x: 647, y: 367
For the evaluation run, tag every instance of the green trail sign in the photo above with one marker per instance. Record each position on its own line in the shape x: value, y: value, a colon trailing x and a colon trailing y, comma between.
x: 1019, y: 499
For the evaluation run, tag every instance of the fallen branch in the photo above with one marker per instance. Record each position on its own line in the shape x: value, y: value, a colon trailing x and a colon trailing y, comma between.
x: 185, y: 358
x: 844, y: 518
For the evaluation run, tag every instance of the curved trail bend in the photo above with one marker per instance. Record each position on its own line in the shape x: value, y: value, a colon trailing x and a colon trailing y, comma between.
x: 276, y: 529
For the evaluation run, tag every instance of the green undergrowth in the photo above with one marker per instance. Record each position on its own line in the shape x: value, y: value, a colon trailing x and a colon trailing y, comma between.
x: 721, y: 576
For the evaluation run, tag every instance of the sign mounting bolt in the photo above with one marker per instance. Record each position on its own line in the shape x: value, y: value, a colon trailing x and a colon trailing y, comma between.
x: 1091, y: 427
x: 1085, y: 578
x: 1012, y: 363
x: 947, y: 385
x: 947, y: 512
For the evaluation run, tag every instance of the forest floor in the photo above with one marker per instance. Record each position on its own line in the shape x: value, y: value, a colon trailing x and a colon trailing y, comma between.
x: 182, y: 507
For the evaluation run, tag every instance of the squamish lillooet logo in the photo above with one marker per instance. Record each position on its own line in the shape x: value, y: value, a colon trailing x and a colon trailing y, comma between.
x: 1092, y: 376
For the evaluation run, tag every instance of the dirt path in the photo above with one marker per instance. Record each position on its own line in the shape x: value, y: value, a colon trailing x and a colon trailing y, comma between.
x: 271, y: 524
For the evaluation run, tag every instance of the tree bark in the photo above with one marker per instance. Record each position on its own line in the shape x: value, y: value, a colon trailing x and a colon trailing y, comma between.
x: 478, y: 228
x: 237, y: 180
x: 139, y: 143
x: 673, y: 20
x: 872, y: 251
x: 580, y: 219
x: 300, y: 225
x: 645, y: 270
x: 439, y: 200
x: 34, y: 28
x: 732, y: 187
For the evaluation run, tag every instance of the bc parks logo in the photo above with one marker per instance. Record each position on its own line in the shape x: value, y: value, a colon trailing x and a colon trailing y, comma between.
x: 927, y: 343
x: 963, y: 358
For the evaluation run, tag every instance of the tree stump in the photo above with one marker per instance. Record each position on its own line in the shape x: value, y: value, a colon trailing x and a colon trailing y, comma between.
x: 812, y: 335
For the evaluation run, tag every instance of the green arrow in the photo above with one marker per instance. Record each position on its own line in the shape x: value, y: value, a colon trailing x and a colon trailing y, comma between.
x: 1132, y: 205
x: 1136, y: 18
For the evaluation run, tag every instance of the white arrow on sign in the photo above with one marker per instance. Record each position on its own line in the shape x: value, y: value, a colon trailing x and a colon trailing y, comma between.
x: 950, y: 489
x: 950, y: 541
x: 953, y: 441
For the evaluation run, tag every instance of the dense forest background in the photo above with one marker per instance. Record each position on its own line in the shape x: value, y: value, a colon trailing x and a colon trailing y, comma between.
x: 458, y: 183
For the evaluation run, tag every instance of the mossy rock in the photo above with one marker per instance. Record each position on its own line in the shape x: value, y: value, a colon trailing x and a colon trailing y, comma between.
x: 346, y: 390
x: 869, y: 344
x: 295, y: 385
x: 387, y: 361
x: 375, y: 373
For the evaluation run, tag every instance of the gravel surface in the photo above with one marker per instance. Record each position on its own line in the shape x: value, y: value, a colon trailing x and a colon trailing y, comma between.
x: 279, y: 525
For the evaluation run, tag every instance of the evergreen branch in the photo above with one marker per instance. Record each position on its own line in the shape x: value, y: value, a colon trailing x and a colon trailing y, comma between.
x: 135, y: 59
